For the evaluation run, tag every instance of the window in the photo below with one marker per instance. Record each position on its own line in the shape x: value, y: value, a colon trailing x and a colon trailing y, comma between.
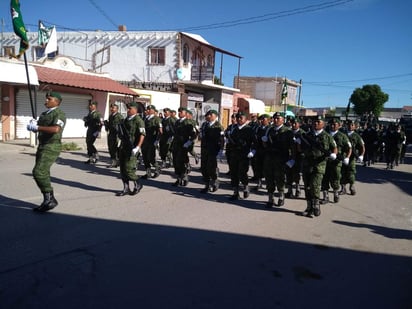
x: 157, y: 56
x: 8, y: 50
x: 185, y: 54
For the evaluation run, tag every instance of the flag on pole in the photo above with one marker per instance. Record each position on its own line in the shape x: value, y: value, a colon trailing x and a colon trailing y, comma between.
x: 47, y: 38
x: 284, y: 90
x: 19, y: 27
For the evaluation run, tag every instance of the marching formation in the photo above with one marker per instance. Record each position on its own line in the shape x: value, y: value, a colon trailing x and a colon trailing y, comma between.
x: 289, y: 158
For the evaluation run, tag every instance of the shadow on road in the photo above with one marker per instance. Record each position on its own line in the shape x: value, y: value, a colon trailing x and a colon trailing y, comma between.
x: 66, y: 261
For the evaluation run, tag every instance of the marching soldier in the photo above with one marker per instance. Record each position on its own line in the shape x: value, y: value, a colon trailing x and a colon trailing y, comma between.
x: 184, y: 138
x: 111, y: 126
x: 154, y: 129
x: 259, y: 157
x: 211, y: 146
x: 93, y: 123
x: 279, y: 155
x: 132, y: 133
x: 358, y: 151
x: 317, y: 146
x: 242, y: 139
x: 333, y: 174
x: 166, y: 139
x: 228, y: 143
x: 50, y: 127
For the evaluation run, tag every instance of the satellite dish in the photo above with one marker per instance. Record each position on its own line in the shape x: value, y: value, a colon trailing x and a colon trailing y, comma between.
x: 179, y: 74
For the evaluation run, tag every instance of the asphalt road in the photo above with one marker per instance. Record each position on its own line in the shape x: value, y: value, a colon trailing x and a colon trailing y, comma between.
x: 173, y: 247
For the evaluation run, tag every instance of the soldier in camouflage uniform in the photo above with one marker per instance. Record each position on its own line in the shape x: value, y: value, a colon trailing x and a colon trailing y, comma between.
x: 132, y: 134
x: 166, y: 139
x: 333, y: 174
x: 50, y: 127
x: 229, y: 145
x: 242, y: 139
x: 154, y: 129
x: 358, y: 151
x: 317, y: 146
x: 211, y: 146
x: 184, y: 138
x: 264, y: 123
x: 93, y: 123
x: 111, y: 126
x: 279, y: 154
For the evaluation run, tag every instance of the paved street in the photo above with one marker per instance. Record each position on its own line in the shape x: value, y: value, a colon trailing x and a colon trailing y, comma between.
x: 173, y: 247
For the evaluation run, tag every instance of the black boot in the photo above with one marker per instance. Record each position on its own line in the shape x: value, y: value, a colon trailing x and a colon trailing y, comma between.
x: 137, y: 187
x: 246, y: 192
x: 214, y: 185
x: 309, y: 210
x: 126, y: 189
x: 325, y: 199
x: 49, y: 202
x: 235, y: 196
x: 148, y: 174
x: 335, y: 196
x: 156, y: 172
x: 281, y: 200
x: 316, y: 207
x: 270, y: 203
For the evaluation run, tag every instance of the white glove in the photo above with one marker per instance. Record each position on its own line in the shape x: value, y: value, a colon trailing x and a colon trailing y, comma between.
x: 264, y: 138
x: 156, y: 143
x: 96, y: 134
x: 32, y: 126
x: 251, y: 154
x: 220, y: 155
x: 187, y: 144
x: 297, y: 140
x: 290, y: 163
x: 360, y: 158
x: 346, y: 161
x: 135, y: 150
x: 383, y: 144
x: 332, y: 156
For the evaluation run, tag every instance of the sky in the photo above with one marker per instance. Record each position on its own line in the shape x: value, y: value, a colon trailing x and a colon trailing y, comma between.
x: 332, y: 46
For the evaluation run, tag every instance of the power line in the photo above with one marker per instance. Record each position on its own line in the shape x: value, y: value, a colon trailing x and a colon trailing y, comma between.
x: 103, y: 13
x: 358, y: 80
x: 269, y: 16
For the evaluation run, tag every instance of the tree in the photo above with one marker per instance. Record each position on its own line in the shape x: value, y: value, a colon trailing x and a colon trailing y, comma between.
x: 368, y: 99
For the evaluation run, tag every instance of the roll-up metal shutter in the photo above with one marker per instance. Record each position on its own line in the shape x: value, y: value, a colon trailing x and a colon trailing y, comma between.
x: 73, y: 105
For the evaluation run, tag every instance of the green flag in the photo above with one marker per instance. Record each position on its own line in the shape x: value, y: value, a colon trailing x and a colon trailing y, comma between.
x: 284, y: 90
x: 19, y: 28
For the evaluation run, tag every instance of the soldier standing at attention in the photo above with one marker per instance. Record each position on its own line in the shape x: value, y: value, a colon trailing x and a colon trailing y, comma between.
x: 153, y: 127
x: 358, y: 151
x: 93, y: 123
x: 166, y: 139
x: 50, y: 127
x: 243, y: 140
x: 333, y: 171
x: 211, y: 146
x: 132, y: 133
x: 279, y: 155
x: 185, y: 135
x: 111, y: 126
x: 317, y: 146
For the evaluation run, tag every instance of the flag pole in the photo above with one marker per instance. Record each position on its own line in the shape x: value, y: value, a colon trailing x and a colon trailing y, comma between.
x: 33, y: 110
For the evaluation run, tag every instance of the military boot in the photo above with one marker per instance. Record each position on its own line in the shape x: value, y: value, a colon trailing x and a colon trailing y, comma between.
x: 214, y: 185
x: 281, y: 200
x: 235, y: 196
x: 89, y: 161
x: 136, y: 188
x: 335, y: 196
x: 184, y: 181
x: 342, y: 190
x: 270, y: 203
x: 148, y: 174
x: 352, y: 189
x: 246, y: 191
x: 297, y: 192
x: 206, y: 188
x: 126, y: 189
x: 325, y: 199
x: 309, y: 209
x: 316, y: 207
x: 156, y: 172
x: 289, y: 194
x: 49, y: 202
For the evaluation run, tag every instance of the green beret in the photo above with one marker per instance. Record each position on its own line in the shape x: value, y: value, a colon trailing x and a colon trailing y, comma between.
x: 295, y: 120
x: 277, y: 114
x: 54, y: 94
x: 240, y: 114
x: 166, y: 109
x: 334, y: 120
x: 319, y: 118
x: 133, y: 104
x: 189, y: 112
x: 93, y: 103
x: 182, y: 109
x: 150, y: 107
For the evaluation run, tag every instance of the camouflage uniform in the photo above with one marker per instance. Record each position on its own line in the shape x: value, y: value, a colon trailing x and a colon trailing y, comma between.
x: 93, y: 124
x: 153, y: 127
x: 112, y: 138
x: 166, y: 139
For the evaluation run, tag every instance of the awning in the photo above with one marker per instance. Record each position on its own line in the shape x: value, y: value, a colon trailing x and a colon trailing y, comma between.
x: 81, y: 80
x: 15, y: 73
x: 255, y: 106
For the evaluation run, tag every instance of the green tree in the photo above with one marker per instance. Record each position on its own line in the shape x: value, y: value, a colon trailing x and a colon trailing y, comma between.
x: 369, y: 98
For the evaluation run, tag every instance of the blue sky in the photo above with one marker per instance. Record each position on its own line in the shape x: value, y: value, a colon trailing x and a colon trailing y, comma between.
x: 333, y: 46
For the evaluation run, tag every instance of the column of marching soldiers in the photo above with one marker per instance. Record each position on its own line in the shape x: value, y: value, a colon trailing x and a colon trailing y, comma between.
x: 292, y: 157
